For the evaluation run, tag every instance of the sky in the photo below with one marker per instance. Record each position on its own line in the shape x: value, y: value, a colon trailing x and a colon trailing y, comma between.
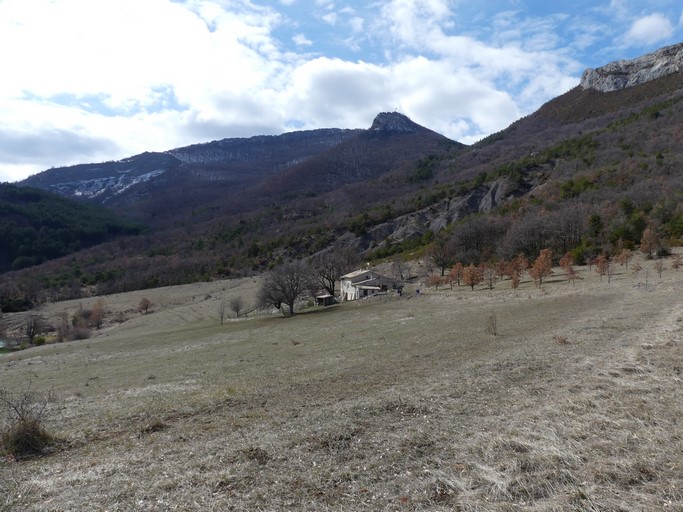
x: 96, y: 80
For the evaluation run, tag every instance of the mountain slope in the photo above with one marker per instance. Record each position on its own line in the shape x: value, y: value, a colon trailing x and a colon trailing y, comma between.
x: 588, y: 172
x: 236, y: 176
x: 226, y: 164
x: 392, y: 141
x: 36, y: 226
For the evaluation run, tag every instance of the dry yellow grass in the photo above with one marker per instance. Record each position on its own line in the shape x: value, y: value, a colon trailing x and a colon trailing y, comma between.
x: 387, y: 404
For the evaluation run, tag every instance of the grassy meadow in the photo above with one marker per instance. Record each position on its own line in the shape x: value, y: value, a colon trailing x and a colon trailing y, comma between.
x: 391, y: 403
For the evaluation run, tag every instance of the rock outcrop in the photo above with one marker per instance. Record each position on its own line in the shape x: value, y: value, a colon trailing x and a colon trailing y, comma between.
x: 393, y: 122
x: 629, y: 73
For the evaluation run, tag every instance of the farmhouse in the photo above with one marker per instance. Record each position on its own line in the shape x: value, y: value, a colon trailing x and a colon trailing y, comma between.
x: 363, y: 283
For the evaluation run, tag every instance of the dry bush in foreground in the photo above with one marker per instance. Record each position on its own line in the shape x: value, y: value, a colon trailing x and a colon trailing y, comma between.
x: 561, y: 340
x: 23, y: 415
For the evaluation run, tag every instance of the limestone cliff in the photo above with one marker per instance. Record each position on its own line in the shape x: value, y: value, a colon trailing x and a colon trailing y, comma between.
x: 629, y: 73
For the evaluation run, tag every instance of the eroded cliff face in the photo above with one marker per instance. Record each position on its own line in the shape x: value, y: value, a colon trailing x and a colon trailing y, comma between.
x: 629, y: 73
x: 433, y: 218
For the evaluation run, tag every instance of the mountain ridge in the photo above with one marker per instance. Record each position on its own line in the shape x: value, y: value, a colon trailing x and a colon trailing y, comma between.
x: 587, y: 172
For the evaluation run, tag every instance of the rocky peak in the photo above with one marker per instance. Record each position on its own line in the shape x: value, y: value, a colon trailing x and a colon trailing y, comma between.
x: 628, y: 73
x: 393, y: 122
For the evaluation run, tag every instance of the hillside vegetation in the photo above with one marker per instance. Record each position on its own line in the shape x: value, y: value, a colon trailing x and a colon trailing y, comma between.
x: 586, y: 174
x: 36, y: 226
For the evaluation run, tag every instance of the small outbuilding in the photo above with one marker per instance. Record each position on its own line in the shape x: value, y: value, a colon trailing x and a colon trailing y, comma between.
x: 324, y: 300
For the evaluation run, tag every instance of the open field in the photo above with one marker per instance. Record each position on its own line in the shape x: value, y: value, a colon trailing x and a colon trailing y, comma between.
x: 384, y: 404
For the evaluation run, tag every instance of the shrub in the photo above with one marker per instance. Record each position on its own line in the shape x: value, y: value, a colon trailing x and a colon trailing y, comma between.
x: 80, y: 333
x: 144, y: 305
x: 561, y: 340
x: 23, y: 414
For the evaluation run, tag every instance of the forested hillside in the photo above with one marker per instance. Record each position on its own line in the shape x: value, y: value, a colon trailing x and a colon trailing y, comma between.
x: 36, y: 226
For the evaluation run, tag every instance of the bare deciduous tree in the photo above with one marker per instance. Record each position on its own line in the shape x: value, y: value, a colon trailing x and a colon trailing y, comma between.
x: 97, y: 314
x: 63, y: 329
x: 222, y: 309
x: 236, y: 305
x: 442, y: 252
x: 285, y: 285
x: 399, y: 272
x: 488, y: 273
x: 33, y: 325
x: 329, y: 267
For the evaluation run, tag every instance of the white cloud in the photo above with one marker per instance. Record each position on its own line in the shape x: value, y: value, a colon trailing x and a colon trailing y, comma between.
x: 357, y: 24
x: 301, y: 40
x: 650, y: 29
x: 91, y: 81
x: 415, y: 22
x: 124, y: 55
x: 330, y: 18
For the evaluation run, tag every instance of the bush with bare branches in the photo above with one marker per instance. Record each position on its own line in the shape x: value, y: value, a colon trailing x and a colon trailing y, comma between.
x: 144, y: 305
x: 237, y: 305
x: 22, y: 414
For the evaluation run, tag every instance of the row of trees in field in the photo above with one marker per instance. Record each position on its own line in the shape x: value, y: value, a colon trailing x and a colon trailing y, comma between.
x: 542, y: 267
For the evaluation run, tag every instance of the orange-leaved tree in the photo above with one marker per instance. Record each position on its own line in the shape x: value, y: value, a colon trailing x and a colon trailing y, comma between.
x: 649, y: 242
x: 455, y: 274
x: 624, y: 257
x: 472, y: 276
x: 542, y: 267
x: 567, y: 264
x: 603, y: 265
